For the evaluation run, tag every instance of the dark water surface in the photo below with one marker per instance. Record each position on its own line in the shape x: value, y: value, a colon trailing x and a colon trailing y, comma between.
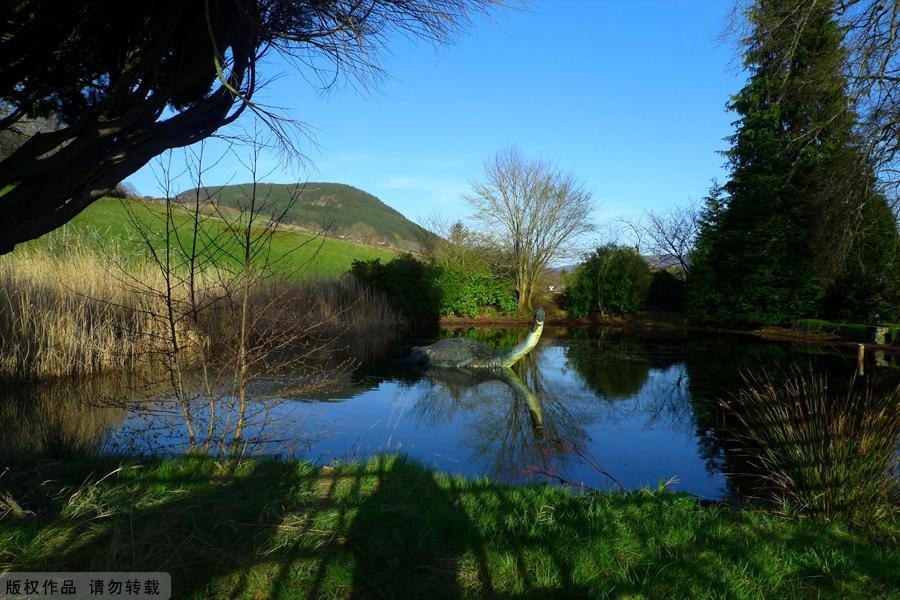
x: 641, y: 407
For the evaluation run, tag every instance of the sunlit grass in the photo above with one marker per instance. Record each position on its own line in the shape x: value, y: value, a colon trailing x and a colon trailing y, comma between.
x: 108, y: 223
x: 391, y: 528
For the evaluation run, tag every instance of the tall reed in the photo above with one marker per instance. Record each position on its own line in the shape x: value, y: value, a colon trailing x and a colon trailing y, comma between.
x: 826, y: 451
x: 67, y: 315
x: 80, y: 313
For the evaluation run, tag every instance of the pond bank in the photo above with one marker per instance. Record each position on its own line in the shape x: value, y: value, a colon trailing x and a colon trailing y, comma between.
x: 838, y: 335
x: 392, y: 528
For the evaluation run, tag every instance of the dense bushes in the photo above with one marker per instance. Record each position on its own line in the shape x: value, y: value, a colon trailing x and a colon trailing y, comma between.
x: 613, y: 280
x: 410, y: 285
x: 666, y: 291
x: 427, y: 290
x: 464, y: 293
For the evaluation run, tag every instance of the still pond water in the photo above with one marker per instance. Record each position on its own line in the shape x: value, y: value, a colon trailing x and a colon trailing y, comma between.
x: 641, y: 407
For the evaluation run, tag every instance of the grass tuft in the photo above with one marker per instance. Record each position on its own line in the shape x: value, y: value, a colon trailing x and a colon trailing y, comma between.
x: 823, y: 451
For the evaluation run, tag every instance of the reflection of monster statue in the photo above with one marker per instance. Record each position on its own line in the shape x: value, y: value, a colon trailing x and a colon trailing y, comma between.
x: 458, y: 353
x: 469, y: 378
x: 511, y: 431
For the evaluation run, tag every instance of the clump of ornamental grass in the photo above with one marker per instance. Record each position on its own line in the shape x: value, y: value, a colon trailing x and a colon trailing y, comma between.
x: 824, y: 450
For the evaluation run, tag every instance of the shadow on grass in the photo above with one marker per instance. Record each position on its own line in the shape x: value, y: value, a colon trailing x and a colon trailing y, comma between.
x: 391, y: 528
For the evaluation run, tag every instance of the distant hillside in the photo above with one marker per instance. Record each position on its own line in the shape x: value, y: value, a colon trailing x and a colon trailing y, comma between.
x: 654, y: 261
x: 107, y: 223
x: 347, y: 212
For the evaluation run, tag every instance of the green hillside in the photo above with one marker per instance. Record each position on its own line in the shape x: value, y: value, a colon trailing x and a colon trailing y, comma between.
x: 106, y: 224
x: 347, y: 212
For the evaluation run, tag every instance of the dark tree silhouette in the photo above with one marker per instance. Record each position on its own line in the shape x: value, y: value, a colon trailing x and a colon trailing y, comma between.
x: 805, y: 230
x: 127, y: 80
x: 869, y: 32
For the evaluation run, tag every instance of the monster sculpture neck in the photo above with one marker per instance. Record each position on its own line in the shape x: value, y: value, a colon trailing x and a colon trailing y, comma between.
x: 507, y: 358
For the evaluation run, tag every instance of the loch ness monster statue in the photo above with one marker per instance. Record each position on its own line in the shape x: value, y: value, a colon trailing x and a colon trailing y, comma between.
x: 466, y: 353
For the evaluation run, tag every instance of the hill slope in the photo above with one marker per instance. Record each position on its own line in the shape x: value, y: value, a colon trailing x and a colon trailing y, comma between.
x: 107, y: 224
x: 345, y: 211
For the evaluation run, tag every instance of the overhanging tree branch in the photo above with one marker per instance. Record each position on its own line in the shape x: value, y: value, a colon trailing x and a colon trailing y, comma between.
x: 127, y: 81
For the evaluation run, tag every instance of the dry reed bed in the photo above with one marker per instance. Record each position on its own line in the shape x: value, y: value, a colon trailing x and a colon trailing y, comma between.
x: 82, y: 314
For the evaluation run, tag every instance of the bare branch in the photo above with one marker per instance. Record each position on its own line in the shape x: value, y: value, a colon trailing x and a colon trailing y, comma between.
x: 532, y: 210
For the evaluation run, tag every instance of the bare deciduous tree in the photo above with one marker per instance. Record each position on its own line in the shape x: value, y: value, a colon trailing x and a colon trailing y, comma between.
x: 456, y: 245
x: 226, y: 318
x: 534, y: 211
x: 627, y: 232
x: 672, y: 233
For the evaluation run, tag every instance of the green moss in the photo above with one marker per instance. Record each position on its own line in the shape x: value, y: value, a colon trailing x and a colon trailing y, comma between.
x: 392, y: 528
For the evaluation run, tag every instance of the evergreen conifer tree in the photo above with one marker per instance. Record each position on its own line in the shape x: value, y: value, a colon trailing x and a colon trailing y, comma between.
x: 802, y: 230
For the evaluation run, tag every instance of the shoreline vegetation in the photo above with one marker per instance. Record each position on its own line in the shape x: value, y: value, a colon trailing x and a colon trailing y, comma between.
x: 70, y: 306
x: 824, y: 332
x: 392, y: 527
x: 82, y: 313
x: 389, y: 526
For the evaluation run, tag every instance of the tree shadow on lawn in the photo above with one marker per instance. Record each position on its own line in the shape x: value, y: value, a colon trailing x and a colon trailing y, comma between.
x: 391, y: 528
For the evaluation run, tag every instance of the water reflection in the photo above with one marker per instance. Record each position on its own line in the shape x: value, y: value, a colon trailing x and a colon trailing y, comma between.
x: 57, y: 418
x: 614, y: 369
x: 727, y: 371
x: 644, y: 406
x: 511, y: 421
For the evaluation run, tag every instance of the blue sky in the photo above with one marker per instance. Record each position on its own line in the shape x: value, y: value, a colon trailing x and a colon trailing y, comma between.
x: 629, y: 95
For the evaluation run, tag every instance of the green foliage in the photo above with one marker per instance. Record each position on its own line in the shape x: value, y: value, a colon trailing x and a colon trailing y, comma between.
x: 612, y: 280
x: 868, y: 288
x: 410, y: 284
x: 427, y: 290
x: 785, y: 238
x: 666, y: 291
x: 464, y: 293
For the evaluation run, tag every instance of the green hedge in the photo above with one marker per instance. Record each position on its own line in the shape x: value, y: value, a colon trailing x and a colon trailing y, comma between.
x: 612, y: 280
x: 425, y: 290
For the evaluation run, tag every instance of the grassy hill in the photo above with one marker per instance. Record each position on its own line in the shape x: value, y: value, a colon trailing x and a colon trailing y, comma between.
x: 347, y: 212
x: 107, y: 224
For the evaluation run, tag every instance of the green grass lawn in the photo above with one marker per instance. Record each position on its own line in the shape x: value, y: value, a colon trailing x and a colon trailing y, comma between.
x: 106, y: 224
x: 391, y: 528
